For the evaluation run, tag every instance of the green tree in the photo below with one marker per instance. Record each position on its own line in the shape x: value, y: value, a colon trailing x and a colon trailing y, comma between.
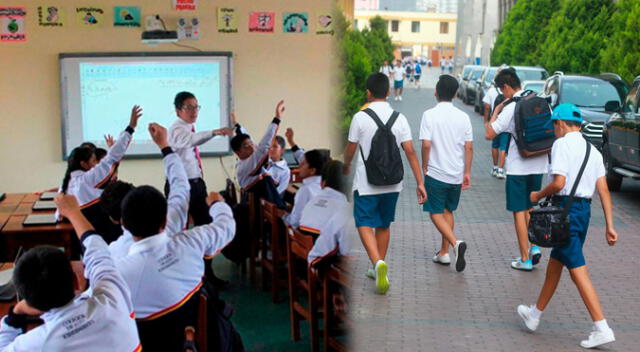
x: 622, y: 51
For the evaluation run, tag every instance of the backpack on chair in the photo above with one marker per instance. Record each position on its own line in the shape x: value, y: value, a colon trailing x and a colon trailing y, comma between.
x: 384, y: 166
x: 533, y: 126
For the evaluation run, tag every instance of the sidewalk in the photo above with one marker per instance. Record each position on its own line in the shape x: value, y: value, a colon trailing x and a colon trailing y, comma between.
x: 432, y: 308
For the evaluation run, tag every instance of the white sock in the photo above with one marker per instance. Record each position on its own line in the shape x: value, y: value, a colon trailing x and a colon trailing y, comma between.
x: 378, y: 262
x: 495, y: 167
x: 535, y: 313
x: 601, y: 325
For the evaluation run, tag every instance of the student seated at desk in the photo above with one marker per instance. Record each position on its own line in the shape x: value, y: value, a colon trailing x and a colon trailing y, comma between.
x: 309, y: 171
x: 85, y: 175
x: 277, y: 167
x: 99, y: 319
x: 177, y: 202
x: 327, y: 215
x: 165, y: 272
x: 298, y: 153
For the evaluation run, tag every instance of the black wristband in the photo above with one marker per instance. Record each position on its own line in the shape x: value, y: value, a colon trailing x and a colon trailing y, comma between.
x: 166, y: 151
x: 276, y: 120
x: 87, y: 234
x: 16, y: 321
x: 129, y: 129
x: 295, y: 148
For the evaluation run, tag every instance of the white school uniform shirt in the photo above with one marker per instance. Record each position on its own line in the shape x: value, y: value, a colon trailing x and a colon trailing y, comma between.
x: 99, y: 319
x: 177, y: 205
x: 515, y: 163
x: 398, y: 73
x: 361, y: 131
x: 490, y: 96
x: 280, y: 172
x: 309, y: 189
x: 163, y: 271
x: 85, y: 185
x: 448, y: 128
x: 567, y: 155
x: 250, y: 170
x: 184, y: 142
x: 386, y: 70
x: 327, y: 215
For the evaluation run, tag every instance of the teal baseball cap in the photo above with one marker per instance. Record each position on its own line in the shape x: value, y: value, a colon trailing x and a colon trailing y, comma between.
x: 567, y: 112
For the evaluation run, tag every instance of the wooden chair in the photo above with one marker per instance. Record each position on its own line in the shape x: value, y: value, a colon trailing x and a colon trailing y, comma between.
x: 302, y: 282
x: 254, y: 226
x: 198, y: 335
x: 335, y: 282
x: 274, y: 230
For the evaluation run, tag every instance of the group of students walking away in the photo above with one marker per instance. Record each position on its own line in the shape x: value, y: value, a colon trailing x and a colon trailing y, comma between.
x: 377, y: 134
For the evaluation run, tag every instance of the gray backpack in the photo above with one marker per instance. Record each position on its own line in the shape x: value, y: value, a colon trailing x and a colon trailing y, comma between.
x: 384, y: 166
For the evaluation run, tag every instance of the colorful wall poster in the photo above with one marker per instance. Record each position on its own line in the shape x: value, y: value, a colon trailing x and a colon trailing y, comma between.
x: 50, y: 16
x: 12, y: 24
x: 126, y: 16
x: 188, y: 5
x: 295, y: 22
x: 90, y: 16
x: 227, y: 20
x: 325, y: 24
x: 262, y: 22
x: 188, y: 28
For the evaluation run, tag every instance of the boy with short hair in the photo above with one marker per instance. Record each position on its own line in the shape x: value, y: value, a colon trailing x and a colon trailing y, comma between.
x: 567, y: 155
x: 499, y: 144
x: 374, y: 206
x: 524, y: 175
x: 398, y: 73
x: 100, y: 317
x: 278, y: 167
x: 447, y: 153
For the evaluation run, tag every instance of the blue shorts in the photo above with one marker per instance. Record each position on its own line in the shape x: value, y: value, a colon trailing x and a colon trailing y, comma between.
x: 416, y: 77
x: 570, y: 255
x: 376, y: 210
x: 398, y: 84
x: 501, y: 141
x: 518, y: 189
x: 441, y: 196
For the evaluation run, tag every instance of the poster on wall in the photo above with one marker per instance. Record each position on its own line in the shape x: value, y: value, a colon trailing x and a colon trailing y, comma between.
x: 295, y: 22
x: 185, y: 5
x: 188, y: 28
x: 263, y: 22
x: 12, y: 22
x: 90, y: 16
x: 227, y: 20
x: 325, y: 24
x: 126, y: 16
x: 50, y: 16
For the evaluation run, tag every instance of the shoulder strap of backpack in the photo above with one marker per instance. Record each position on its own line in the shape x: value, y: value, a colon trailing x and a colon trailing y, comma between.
x: 374, y: 116
x: 392, y: 119
x: 575, y: 184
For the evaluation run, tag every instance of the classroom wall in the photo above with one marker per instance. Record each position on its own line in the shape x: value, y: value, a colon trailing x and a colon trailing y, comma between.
x: 299, y: 68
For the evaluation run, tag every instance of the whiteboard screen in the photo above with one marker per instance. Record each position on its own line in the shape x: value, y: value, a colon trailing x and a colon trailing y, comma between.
x: 99, y: 90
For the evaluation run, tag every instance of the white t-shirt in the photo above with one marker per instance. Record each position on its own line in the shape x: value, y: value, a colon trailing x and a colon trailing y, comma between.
x: 361, y: 131
x: 490, y: 96
x: 386, y: 70
x: 567, y: 155
x: 515, y: 163
x: 448, y: 128
x: 398, y: 73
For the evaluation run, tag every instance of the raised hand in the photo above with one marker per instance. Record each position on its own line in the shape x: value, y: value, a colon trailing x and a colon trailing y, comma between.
x: 136, y: 113
x: 280, y: 109
x: 109, y: 139
x: 159, y: 135
x: 214, y: 197
x: 289, y: 135
x: 67, y: 205
x: 226, y: 131
x: 234, y: 120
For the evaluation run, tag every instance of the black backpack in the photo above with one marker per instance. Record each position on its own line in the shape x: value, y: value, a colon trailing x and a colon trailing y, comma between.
x: 533, y: 126
x: 499, y: 99
x: 384, y: 166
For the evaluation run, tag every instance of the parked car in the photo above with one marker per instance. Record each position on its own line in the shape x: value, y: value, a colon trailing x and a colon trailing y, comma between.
x: 482, y: 85
x: 466, y: 69
x: 621, y: 140
x: 596, y: 98
x: 469, y: 84
x: 535, y: 86
x: 531, y: 73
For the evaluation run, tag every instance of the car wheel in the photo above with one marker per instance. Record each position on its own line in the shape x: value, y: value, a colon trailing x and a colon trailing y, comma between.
x: 614, y: 180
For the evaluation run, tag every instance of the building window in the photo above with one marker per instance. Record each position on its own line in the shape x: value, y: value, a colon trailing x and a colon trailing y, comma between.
x: 394, y: 25
x: 415, y: 26
x: 444, y: 27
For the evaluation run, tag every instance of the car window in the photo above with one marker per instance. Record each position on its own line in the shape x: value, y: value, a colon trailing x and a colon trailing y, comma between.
x: 552, y: 87
x: 536, y: 87
x: 531, y: 75
x: 466, y: 71
x: 488, y: 77
x: 588, y: 93
x: 476, y: 74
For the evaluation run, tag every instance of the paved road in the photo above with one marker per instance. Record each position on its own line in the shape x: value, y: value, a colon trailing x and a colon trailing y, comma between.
x: 432, y: 308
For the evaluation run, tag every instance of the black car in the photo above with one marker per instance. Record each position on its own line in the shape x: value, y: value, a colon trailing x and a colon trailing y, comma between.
x: 468, y: 84
x: 482, y: 85
x: 595, y: 96
x: 621, y: 140
x: 466, y: 69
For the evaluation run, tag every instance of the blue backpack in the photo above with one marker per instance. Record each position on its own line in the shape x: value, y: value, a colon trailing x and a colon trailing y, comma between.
x: 533, y: 126
x: 418, y: 69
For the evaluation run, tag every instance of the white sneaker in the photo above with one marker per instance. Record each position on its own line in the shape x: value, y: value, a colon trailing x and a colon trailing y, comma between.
x: 458, y: 251
x: 442, y: 259
x: 494, y: 171
x: 371, y: 273
x: 598, y: 338
x: 395, y: 98
x: 400, y: 97
x: 524, y: 313
x: 500, y: 174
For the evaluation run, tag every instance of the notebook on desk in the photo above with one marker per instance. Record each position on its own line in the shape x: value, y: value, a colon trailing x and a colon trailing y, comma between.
x: 48, y: 195
x: 44, y: 205
x: 40, y: 219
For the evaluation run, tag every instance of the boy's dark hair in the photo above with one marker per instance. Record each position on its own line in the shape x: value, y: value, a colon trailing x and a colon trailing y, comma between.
x: 333, y: 177
x: 88, y: 145
x: 44, y: 278
x: 181, y: 97
x: 508, y: 77
x: 446, y: 87
x: 77, y: 155
x: 571, y: 123
x: 112, y: 197
x: 237, y: 140
x: 281, y: 141
x: 100, y: 153
x: 316, y: 159
x: 144, y: 211
x: 378, y: 85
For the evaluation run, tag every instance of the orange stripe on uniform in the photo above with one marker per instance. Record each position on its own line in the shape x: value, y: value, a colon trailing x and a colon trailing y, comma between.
x: 101, y: 183
x: 93, y: 202
x: 309, y: 229
x: 173, y: 307
x: 138, y: 349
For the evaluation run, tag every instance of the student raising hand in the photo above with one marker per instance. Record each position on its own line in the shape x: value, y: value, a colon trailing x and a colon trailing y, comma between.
x: 289, y: 135
x: 109, y: 140
x: 280, y: 109
x: 159, y: 135
x: 136, y: 113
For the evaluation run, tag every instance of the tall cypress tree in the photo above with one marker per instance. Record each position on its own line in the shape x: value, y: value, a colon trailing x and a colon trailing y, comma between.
x: 622, y: 51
